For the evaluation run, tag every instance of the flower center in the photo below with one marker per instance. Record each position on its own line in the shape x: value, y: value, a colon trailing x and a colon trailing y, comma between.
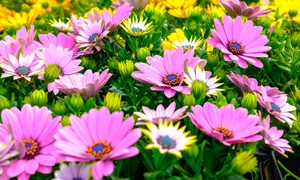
x: 32, y: 148
x: 22, y: 70
x: 227, y: 134
x: 93, y: 37
x: 235, y: 47
x: 166, y: 142
x: 172, y: 79
x: 136, y: 29
x: 99, y: 149
x: 275, y: 107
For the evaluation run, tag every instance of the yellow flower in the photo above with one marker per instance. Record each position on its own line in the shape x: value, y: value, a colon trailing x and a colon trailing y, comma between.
x: 110, y: 10
x: 184, y: 12
x: 160, y: 6
x: 181, y: 9
x: 4, y: 12
x: 178, y: 39
x: 213, y: 9
x: 18, y: 20
x: 286, y: 5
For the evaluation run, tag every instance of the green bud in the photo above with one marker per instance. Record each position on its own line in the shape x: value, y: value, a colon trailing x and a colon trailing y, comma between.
x: 52, y: 72
x: 45, y: 5
x: 59, y: 108
x: 220, y: 73
x: 89, y: 63
x: 265, y: 22
x: 113, y: 64
x: 249, y: 101
x: 198, y: 88
x: 25, y: 7
x: 76, y: 102
x: 189, y: 100
x: 37, y: 98
x: 231, y: 95
x: 112, y: 101
x: 295, y: 40
x: 146, y: 101
x: 126, y: 68
x: 243, y: 163
x: 65, y: 121
x: 3, y: 91
x: 293, y: 13
x: 55, y: 9
x: 142, y: 53
x: 213, y: 59
x: 4, y: 103
x: 193, y: 26
x: 192, y: 152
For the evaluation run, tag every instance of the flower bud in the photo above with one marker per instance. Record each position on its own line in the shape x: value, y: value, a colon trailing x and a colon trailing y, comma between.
x: 243, y: 163
x: 220, y: 73
x: 146, y: 101
x: 142, y: 53
x: 76, y: 102
x: 4, y: 103
x: 198, y: 88
x: 249, y: 101
x: 293, y: 13
x: 25, y: 7
x: 126, y: 68
x: 189, y: 100
x: 89, y: 63
x: 112, y: 101
x: 52, y: 72
x: 213, y: 59
x: 295, y: 40
x: 113, y: 64
x: 265, y: 22
x: 45, y: 5
x: 192, y: 26
x: 55, y: 9
x: 192, y: 152
x: 59, y: 108
x: 231, y: 95
x: 65, y: 121
x: 37, y: 98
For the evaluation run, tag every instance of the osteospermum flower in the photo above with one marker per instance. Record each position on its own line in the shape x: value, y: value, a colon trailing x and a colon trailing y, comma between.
x: 168, y: 138
x: 73, y: 171
x: 199, y: 74
x: 161, y: 114
x: 8, y: 149
x: 227, y: 124
x: 87, y: 84
x: 178, y: 39
x: 240, y: 42
x: 61, y: 26
x: 34, y: 128
x: 98, y: 137
x: 136, y: 4
x: 272, y: 137
x: 22, y: 66
x: 61, y: 57
x: 243, y: 82
x: 277, y: 106
x: 237, y: 8
x: 136, y: 26
x: 166, y: 73
x: 181, y: 9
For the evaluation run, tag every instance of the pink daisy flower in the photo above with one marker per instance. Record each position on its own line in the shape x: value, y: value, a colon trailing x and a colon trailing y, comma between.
x: 22, y: 66
x: 166, y: 73
x: 272, y: 137
x: 277, y: 106
x: 243, y: 82
x: 240, y: 42
x: 63, y: 58
x: 87, y: 84
x: 237, y: 8
x: 34, y: 128
x: 227, y: 124
x: 169, y: 114
x: 98, y: 137
x: 62, y: 40
x: 73, y: 171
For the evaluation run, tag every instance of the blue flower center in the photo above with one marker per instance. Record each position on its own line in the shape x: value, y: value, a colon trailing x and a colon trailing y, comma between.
x: 31, y: 148
x: 235, y: 47
x: 166, y: 142
x: 22, y: 70
x: 172, y: 79
x: 275, y: 107
x: 93, y: 37
x: 136, y: 29
x: 99, y: 149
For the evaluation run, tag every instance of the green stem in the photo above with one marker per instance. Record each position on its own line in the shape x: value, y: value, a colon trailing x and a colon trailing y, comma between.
x: 288, y: 171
